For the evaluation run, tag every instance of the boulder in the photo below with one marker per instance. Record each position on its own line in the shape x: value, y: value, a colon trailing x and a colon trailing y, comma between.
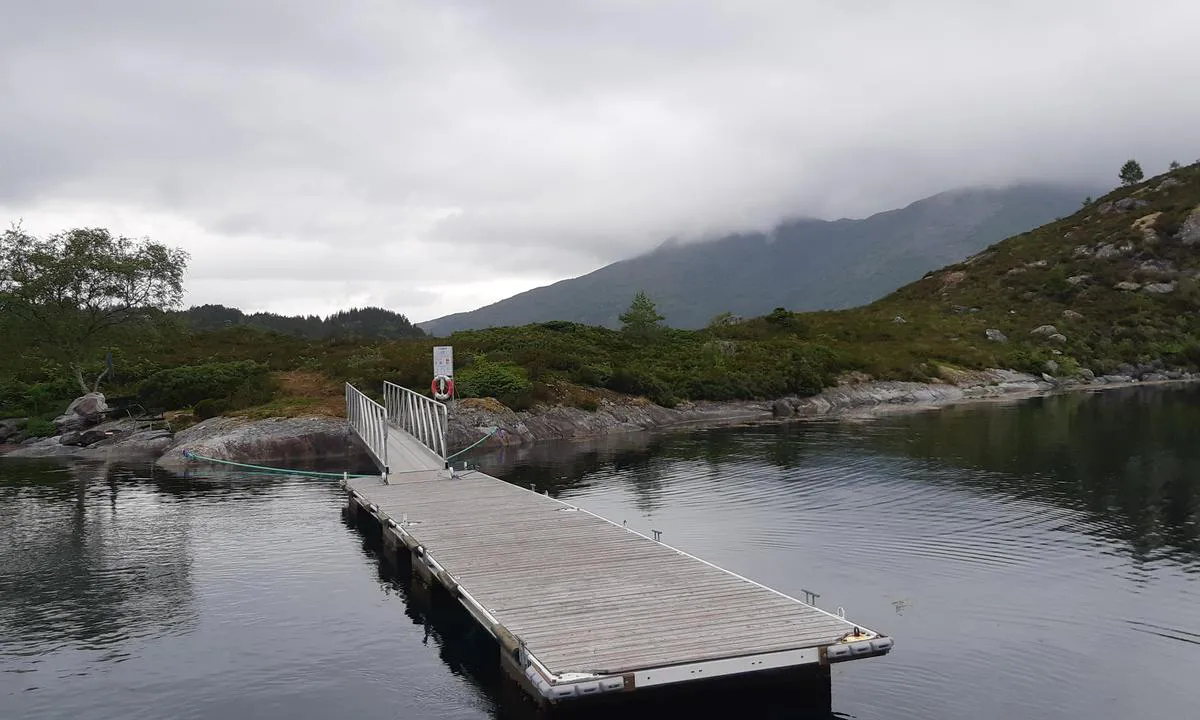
x: 10, y: 428
x: 1078, y: 279
x: 1072, y: 315
x: 277, y: 440
x: 1159, y: 288
x: 782, y: 408
x: 136, y: 445
x: 1189, y: 231
x: 899, y: 320
x: 953, y: 277
x: 1152, y: 366
x: 1052, y: 367
x: 103, y: 431
x: 1154, y: 377
x: 1038, y: 264
x: 1108, y: 251
x: 1157, y: 267
x: 75, y: 437
x: 1044, y: 331
x: 1057, y: 337
x: 1128, y: 203
x: 83, y: 412
x: 1087, y: 374
x: 42, y: 447
x: 1128, y: 286
x: 995, y: 335
x: 1145, y: 226
x: 1167, y: 184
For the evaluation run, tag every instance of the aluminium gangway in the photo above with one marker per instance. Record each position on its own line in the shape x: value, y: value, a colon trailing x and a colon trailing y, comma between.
x: 580, y: 605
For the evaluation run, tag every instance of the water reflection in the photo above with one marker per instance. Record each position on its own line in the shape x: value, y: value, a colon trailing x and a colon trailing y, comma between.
x: 90, y: 557
x: 1129, y: 458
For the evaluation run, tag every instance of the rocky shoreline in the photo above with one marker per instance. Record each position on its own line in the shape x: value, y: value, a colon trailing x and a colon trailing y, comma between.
x: 283, y: 441
x: 473, y: 419
x: 304, y: 440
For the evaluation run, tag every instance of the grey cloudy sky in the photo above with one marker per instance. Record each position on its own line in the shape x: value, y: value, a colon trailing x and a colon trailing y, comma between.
x: 434, y: 156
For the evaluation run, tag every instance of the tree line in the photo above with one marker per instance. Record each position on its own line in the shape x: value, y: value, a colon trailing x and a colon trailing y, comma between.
x: 366, y: 322
x: 69, y: 297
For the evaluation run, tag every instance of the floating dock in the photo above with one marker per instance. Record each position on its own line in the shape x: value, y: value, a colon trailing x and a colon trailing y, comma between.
x: 579, y: 605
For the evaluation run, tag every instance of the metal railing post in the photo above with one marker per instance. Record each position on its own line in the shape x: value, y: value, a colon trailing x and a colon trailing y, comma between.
x: 368, y: 420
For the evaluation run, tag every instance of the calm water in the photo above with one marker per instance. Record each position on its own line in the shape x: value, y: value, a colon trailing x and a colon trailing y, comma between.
x: 1032, y: 560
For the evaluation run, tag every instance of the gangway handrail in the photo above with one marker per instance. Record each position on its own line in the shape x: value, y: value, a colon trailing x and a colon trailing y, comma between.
x: 368, y: 420
x: 422, y: 417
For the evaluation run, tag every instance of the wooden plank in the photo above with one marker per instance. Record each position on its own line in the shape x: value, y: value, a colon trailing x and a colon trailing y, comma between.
x: 588, y: 601
x: 581, y: 593
x: 580, y: 651
x: 738, y: 618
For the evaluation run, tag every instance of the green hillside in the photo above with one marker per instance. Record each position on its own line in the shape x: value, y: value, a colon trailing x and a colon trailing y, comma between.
x: 1118, y: 281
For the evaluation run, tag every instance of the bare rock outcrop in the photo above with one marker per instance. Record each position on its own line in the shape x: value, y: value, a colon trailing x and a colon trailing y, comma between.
x: 474, y: 418
x: 278, y: 440
x: 1189, y: 231
x: 83, y: 412
x: 114, y: 441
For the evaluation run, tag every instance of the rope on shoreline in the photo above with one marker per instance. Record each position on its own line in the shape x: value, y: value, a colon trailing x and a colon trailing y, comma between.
x: 490, y: 433
x: 263, y: 468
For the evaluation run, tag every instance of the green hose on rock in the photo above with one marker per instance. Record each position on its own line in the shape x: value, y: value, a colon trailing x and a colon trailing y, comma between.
x: 263, y: 468
x: 473, y: 445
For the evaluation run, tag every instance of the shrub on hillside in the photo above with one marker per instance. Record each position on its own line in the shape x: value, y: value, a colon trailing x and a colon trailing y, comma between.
x: 504, y: 381
x: 21, y: 399
x: 590, y: 375
x: 12, y: 397
x: 208, y: 408
x: 241, y: 384
x: 1188, y: 356
x: 639, y: 381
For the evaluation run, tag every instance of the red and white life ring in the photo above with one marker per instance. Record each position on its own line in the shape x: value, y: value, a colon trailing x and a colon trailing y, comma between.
x: 442, y: 387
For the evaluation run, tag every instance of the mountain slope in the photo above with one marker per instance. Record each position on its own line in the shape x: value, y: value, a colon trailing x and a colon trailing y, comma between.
x: 801, y: 265
x: 1114, y: 288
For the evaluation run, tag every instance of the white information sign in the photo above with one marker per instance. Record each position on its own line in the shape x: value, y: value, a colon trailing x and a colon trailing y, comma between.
x: 443, y: 361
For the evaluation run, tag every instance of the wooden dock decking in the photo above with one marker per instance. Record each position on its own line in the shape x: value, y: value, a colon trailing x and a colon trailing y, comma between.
x: 581, y: 605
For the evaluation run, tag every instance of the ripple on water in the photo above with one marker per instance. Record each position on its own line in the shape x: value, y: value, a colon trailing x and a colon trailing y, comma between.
x: 1030, y: 562
x: 1009, y: 589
